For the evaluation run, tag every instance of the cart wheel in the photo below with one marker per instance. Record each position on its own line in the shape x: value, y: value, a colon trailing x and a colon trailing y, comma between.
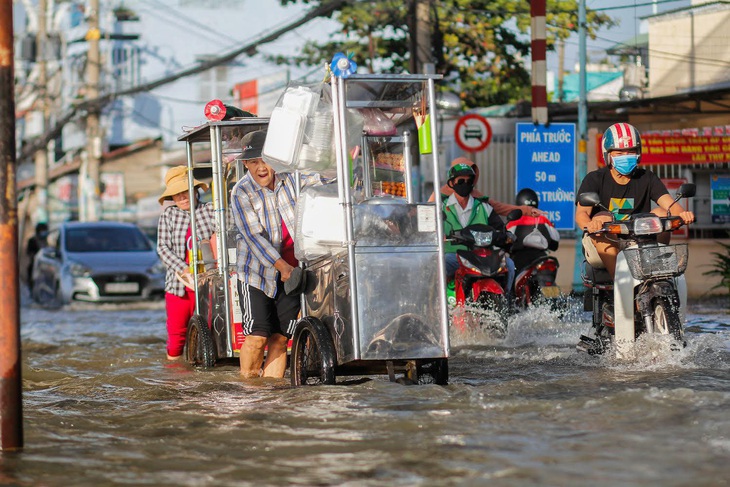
x: 199, y: 350
x: 430, y: 372
x: 312, y: 354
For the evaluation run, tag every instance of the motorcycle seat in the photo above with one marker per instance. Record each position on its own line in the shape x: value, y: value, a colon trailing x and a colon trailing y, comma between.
x: 596, y: 276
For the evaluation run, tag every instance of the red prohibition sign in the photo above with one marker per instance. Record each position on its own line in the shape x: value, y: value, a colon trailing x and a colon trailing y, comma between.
x: 473, y: 133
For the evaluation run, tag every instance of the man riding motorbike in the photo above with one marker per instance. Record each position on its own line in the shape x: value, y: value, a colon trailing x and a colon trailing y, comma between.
x: 624, y: 189
x: 461, y: 209
x: 535, y: 235
x: 642, y: 289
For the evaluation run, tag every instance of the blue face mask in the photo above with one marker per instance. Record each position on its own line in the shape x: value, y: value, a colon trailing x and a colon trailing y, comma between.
x: 625, y: 164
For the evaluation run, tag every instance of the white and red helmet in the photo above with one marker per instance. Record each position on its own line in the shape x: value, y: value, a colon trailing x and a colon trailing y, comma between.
x: 621, y: 136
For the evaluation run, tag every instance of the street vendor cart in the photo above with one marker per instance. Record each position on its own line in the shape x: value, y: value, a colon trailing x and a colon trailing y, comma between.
x: 374, y: 301
x: 373, y: 297
x: 215, y: 331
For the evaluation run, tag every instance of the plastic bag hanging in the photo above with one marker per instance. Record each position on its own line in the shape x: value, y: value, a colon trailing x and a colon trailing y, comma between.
x: 300, y: 135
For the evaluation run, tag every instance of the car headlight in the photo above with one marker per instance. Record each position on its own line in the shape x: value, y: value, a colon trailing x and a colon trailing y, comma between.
x: 78, y: 270
x: 158, y: 268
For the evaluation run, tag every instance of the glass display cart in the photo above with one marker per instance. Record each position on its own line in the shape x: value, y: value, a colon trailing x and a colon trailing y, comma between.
x: 375, y: 301
x: 215, y: 331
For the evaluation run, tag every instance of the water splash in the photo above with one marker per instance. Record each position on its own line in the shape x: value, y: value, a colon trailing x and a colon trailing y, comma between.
x: 655, y: 352
x: 543, y: 325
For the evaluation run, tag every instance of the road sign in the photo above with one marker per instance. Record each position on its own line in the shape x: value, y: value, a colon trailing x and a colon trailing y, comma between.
x: 473, y: 133
x: 720, y: 198
x: 546, y: 158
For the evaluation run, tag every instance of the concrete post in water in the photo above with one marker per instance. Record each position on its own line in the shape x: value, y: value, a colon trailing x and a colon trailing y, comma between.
x: 11, y: 417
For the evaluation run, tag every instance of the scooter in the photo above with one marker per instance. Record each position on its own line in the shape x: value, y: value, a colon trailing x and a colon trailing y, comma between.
x: 536, y: 269
x: 481, y: 278
x: 648, y: 293
x: 536, y: 282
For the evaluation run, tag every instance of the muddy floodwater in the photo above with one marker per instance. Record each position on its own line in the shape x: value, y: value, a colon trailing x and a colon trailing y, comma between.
x: 102, y: 407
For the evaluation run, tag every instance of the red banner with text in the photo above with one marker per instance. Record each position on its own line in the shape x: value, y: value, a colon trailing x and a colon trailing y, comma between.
x: 680, y: 149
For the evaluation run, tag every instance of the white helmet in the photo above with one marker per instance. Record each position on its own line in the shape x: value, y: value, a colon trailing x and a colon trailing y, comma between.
x: 620, y: 136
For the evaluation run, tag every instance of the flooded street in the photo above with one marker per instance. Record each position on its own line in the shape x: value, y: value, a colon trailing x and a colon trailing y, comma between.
x: 103, y: 407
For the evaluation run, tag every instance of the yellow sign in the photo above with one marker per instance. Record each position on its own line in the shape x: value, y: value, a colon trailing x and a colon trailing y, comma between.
x: 93, y: 35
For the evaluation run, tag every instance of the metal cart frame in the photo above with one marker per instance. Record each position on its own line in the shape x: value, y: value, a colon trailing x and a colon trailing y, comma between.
x: 214, y: 331
x: 378, y: 304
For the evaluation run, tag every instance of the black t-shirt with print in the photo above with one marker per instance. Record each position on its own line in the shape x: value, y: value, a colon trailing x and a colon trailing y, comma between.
x: 624, y: 200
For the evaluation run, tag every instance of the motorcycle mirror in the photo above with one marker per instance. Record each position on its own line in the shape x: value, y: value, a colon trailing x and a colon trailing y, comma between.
x: 589, y: 199
x: 514, y: 215
x: 687, y: 190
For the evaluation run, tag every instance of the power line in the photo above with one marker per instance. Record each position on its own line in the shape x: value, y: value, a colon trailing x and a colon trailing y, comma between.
x: 635, y: 5
x: 88, y: 106
x: 274, y: 88
x: 188, y: 29
x: 179, y: 19
x: 682, y: 57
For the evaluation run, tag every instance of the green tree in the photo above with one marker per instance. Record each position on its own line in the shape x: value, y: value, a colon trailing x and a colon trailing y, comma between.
x: 722, y: 267
x: 479, y: 46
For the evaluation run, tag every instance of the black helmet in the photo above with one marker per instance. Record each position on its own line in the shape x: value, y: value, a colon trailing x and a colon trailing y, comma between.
x: 526, y: 197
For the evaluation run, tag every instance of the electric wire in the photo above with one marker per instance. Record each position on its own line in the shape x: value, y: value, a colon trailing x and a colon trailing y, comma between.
x: 95, y: 104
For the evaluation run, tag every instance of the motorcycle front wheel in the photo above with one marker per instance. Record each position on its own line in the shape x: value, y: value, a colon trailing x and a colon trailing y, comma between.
x: 666, y: 318
x: 499, y: 306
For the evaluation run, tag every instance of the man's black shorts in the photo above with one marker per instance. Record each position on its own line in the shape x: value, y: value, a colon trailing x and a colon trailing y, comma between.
x: 265, y: 316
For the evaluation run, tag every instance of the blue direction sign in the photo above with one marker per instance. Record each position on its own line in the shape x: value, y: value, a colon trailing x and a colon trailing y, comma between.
x: 546, y: 163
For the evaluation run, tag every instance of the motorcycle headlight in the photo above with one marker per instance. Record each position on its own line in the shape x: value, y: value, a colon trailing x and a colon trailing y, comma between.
x: 647, y: 225
x: 78, y: 270
x: 469, y: 265
x: 482, y: 239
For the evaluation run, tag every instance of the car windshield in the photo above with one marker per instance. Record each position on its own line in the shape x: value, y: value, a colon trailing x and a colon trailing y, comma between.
x: 106, y: 239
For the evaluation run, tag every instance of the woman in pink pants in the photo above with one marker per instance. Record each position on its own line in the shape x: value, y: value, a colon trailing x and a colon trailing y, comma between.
x: 173, y: 244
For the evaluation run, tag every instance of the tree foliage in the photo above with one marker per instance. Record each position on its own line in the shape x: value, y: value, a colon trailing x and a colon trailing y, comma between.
x: 721, y: 267
x: 480, y: 46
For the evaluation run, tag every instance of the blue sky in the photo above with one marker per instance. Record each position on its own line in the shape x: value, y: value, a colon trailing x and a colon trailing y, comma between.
x: 628, y: 13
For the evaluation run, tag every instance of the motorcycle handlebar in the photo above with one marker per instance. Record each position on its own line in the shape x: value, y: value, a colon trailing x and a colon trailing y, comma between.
x: 617, y: 227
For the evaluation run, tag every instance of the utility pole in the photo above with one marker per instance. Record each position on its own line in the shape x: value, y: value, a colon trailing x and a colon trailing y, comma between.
x: 420, y: 27
x: 582, y: 137
x: 561, y: 69
x: 539, y: 62
x: 41, y: 155
x: 11, y: 410
x: 423, y: 35
x: 89, y: 187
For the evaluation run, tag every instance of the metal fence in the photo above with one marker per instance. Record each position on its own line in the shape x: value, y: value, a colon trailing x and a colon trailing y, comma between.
x: 497, y: 169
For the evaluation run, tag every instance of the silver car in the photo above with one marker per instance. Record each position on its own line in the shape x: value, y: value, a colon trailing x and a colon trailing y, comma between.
x: 97, y: 262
